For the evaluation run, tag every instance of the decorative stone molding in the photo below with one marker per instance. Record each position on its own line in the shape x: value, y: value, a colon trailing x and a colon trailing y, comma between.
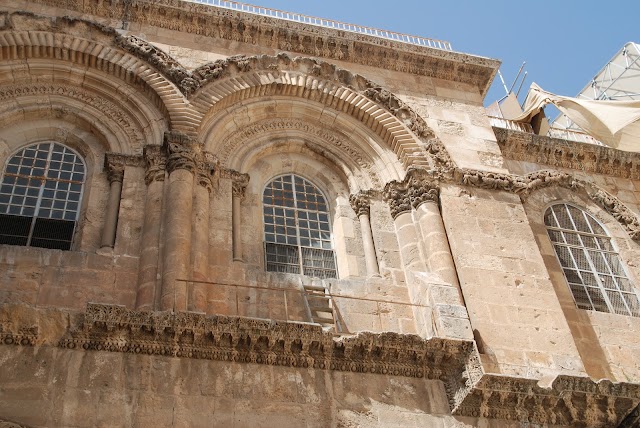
x: 274, y: 34
x: 110, y: 110
x: 236, y: 339
x: 360, y: 203
x: 521, y: 146
x: 21, y: 336
x: 401, y: 110
x: 181, y: 152
x: 569, y: 401
x: 422, y: 191
x: 206, y: 165
x: 334, y: 139
x: 156, y: 162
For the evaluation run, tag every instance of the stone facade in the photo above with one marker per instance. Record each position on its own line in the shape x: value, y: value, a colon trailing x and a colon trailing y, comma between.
x: 449, y: 309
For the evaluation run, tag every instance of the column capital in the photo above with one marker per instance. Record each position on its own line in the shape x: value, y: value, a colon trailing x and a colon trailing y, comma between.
x: 239, y: 181
x: 361, y: 203
x: 206, y: 164
x: 182, y: 152
x: 155, y: 162
x: 422, y: 190
x: 396, y: 194
x: 114, y: 163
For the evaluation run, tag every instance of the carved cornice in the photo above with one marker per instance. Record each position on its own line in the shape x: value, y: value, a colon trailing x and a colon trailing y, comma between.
x: 156, y: 162
x: 521, y: 146
x: 270, y: 33
x: 361, y: 203
x: 570, y: 400
x: 618, y: 210
x: 192, y: 335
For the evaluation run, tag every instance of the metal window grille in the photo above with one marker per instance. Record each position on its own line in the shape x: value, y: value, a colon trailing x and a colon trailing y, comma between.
x: 40, y: 196
x: 591, y: 265
x: 297, y: 231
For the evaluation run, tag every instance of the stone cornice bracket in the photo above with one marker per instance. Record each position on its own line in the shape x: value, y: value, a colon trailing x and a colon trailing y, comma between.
x: 618, y: 210
x: 182, y: 152
x: 396, y: 194
x: 361, y: 203
x: 155, y: 162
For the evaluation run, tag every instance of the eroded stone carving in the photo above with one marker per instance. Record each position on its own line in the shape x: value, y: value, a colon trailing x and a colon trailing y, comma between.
x: 616, y: 208
x: 361, y: 203
x: 401, y: 110
x: 182, y: 152
x: 155, y: 162
x: 193, y: 335
x: 396, y: 194
x: 114, y: 163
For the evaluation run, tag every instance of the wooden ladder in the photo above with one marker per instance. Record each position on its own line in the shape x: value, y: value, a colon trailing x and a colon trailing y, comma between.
x: 319, y: 305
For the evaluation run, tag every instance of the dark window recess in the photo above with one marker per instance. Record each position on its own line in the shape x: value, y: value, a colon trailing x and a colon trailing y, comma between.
x: 47, y: 233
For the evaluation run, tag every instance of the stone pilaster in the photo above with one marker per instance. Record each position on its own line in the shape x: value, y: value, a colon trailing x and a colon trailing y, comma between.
x: 361, y: 204
x: 239, y: 186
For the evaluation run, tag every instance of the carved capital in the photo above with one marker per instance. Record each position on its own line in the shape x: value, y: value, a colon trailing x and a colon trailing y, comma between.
x: 155, y: 163
x: 361, y: 203
x: 115, y: 163
x: 206, y: 168
x: 421, y: 191
x: 181, y: 152
x: 396, y: 194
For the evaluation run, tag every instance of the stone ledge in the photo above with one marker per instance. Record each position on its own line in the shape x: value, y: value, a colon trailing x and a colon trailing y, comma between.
x: 521, y: 146
x: 569, y: 400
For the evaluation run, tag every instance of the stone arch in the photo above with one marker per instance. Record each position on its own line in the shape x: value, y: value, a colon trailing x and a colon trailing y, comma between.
x: 242, y: 80
x: 149, y: 75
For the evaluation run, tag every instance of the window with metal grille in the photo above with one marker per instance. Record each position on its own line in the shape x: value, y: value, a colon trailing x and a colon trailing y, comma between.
x: 40, y: 196
x: 297, y: 231
x: 590, y: 262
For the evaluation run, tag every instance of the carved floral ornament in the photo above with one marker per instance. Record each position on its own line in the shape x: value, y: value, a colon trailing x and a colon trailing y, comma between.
x: 570, y: 400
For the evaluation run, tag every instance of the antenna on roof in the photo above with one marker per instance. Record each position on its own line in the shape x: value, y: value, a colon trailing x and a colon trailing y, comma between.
x: 521, y: 82
x: 517, y: 76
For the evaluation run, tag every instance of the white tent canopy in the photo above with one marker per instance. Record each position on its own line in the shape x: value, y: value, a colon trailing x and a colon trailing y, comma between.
x: 614, y: 123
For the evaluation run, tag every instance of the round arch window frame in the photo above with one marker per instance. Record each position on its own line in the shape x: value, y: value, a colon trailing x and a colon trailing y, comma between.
x: 597, y: 277
x: 46, y: 193
x: 299, y: 268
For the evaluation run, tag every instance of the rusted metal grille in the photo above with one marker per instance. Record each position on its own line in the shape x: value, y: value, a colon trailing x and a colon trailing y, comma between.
x: 297, y: 231
x: 40, y: 196
x: 590, y: 263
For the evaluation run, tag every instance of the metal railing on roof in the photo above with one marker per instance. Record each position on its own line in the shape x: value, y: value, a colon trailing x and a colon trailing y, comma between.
x: 565, y: 134
x: 328, y: 23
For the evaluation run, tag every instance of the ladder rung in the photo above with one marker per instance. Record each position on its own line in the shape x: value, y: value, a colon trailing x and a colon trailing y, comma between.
x: 315, y: 288
x: 319, y: 296
x: 323, y: 320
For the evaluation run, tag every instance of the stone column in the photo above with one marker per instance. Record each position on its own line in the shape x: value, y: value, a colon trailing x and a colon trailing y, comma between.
x: 361, y: 204
x: 181, y: 167
x: 424, y: 199
x: 148, y: 293
x: 115, y: 173
x: 239, y: 184
x: 397, y: 196
x: 197, y: 300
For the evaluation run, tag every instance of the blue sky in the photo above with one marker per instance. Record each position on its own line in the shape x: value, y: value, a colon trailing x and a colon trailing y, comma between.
x: 565, y: 43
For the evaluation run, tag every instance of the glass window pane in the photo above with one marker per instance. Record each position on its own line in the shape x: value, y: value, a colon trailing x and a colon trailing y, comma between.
x: 593, y: 269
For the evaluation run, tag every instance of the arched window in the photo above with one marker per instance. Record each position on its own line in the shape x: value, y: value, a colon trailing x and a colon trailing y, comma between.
x: 40, y: 196
x: 590, y: 262
x: 297, y: 231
